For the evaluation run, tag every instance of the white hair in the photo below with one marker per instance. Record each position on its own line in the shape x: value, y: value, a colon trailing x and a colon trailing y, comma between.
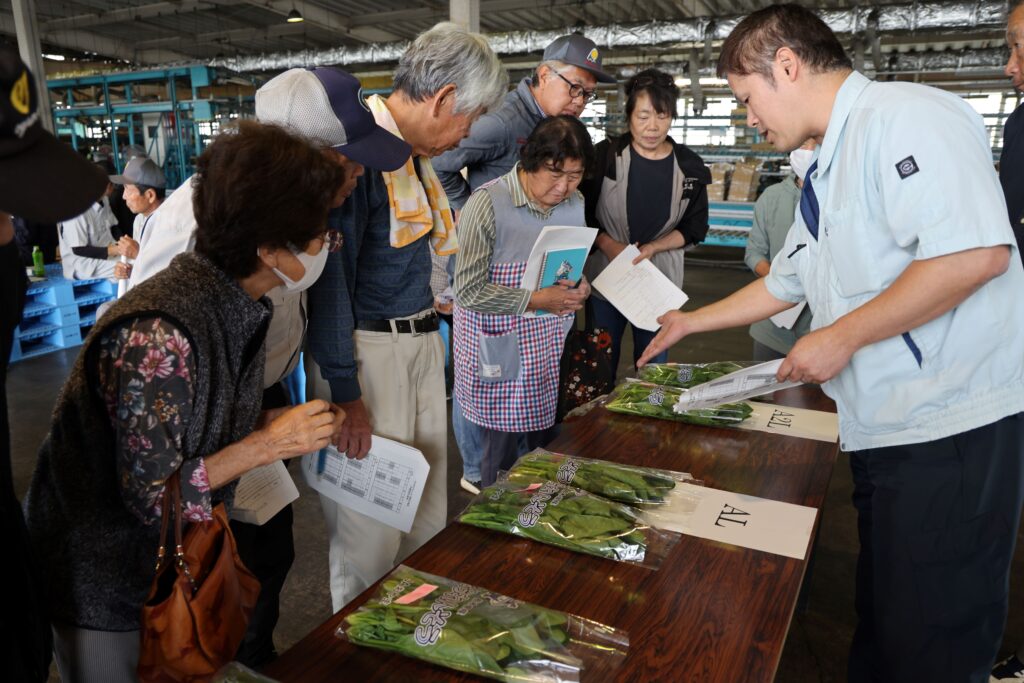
x: 449, y: 54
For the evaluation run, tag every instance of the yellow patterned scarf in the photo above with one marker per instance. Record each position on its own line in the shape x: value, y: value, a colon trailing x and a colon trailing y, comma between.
x: 418, y: 202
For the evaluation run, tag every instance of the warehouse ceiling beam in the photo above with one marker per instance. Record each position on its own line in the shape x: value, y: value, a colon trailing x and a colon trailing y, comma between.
x: 332, y: 21
x: 124, y: 14
x: 228, y: 36
x: 487, y: 7
x: 84, y: 41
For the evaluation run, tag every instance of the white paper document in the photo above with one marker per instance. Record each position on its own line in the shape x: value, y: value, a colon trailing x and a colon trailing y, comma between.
x: 262, y: 493
x: 800, y: 422
x: 640, y: 292
x: 756, y: 380
x: 386, y: 485
x: 788, y: 317
x: 749, y: 521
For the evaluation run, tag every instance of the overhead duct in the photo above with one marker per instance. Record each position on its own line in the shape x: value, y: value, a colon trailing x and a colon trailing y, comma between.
x: 954, y: 16
x: 968, y: 60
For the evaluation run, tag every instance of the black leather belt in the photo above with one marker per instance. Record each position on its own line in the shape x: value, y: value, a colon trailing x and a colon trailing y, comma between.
x: 428, y: 323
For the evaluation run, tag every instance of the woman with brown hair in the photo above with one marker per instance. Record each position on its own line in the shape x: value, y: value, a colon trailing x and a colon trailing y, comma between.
x: 169, y: 383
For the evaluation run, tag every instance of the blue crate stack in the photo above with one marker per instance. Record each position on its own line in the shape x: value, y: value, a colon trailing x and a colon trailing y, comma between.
x: 58, y: 313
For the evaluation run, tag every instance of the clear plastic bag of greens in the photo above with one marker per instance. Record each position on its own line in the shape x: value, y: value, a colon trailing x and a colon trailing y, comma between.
x: 655, y: 400
x: 686, y: 375
x: 471, y: 629
x: 569, y: 518
x: 633, y: 485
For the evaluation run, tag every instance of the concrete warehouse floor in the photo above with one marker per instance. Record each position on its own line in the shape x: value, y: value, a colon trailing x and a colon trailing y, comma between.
x: 818, y: 639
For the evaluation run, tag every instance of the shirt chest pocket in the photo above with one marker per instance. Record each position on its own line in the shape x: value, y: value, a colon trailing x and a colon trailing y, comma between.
x: 843, y: 235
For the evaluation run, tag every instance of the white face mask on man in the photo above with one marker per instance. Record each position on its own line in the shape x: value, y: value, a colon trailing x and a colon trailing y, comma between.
x: 800, y: 159
x: 313, y: 263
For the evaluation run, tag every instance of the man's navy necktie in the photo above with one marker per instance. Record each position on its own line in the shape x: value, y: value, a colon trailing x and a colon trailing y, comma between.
x: 809, y: 202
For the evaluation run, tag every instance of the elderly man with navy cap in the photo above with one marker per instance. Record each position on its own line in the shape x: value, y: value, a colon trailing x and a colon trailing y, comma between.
x: 324, y: 105
x: 43, y: 180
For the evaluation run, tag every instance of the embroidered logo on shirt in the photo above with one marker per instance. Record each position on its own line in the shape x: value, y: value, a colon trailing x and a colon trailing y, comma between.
x: 907, y: 167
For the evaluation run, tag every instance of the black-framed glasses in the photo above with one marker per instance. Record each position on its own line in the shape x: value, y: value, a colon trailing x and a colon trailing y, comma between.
x: 334, y: 239
x: 577, y: 90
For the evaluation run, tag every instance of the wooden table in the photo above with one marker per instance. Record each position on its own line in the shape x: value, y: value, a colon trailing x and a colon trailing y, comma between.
x: 712, y: 612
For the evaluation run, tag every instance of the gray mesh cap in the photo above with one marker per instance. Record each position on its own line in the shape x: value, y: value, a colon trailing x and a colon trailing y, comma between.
x: 141, y: 171
x: 580, y: 51
x: 325, y: 105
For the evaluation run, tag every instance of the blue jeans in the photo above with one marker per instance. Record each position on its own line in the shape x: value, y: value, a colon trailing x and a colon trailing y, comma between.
x: 604, y: 315
x: 470, y: 438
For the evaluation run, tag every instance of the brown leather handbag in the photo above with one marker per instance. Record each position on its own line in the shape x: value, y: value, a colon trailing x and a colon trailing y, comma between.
x: 201, y: 600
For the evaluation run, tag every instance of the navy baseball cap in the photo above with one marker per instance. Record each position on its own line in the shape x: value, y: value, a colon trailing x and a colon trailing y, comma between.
x: 43, y: 178
x: 326, y: 106
x: 580, y: 51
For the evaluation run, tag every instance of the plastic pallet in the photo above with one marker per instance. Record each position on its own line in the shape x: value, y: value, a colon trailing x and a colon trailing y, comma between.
x: 57, y: 312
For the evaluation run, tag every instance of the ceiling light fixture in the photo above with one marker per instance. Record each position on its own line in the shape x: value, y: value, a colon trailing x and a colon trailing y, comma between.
x: 294, y: 17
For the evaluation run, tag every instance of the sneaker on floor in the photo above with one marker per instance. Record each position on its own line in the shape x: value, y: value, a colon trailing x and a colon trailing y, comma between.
x: 471, y: 486
x: 1010, y: 669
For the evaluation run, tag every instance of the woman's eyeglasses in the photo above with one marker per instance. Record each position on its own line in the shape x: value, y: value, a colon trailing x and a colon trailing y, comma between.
x: 577, y: 90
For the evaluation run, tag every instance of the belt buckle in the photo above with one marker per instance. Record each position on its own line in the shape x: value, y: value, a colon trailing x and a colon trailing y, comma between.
x: 412, y: 328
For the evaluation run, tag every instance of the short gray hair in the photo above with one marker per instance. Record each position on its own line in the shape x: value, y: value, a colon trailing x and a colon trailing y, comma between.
x: 557, y: 66
x: 449, y: 54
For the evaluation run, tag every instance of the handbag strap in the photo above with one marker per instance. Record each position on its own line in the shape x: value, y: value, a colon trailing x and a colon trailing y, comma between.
x: 172, y: 506
x: 165, y: 516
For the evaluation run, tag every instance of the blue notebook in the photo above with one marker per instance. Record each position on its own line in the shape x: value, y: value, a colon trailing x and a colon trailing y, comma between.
x: 562, y: 264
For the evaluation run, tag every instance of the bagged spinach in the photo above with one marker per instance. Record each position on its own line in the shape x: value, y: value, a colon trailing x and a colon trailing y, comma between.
x: 569, y: 518
x: 655, y: 400
x: 686, y: 375
x: 471, y: 629
x: 629, y: 484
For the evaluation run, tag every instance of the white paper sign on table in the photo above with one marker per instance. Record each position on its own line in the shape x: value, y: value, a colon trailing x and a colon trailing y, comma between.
x: 756, y: 380
x: 749, y: 521
x: 788, y: 317
x: 262, y: 493
x: 640, y: 292
x: 800, y: 422
x: 386, y: 485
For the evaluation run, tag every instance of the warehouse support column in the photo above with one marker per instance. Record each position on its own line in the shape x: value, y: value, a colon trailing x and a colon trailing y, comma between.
x: 465, y: 13
x: 27, y: 28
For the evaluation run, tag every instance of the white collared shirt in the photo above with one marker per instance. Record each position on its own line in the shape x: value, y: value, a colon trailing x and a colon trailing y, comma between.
x: 905, y: 173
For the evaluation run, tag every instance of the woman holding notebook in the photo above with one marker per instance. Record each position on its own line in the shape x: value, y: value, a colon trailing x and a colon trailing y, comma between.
x: 649, y: 191
x: 506, y: 363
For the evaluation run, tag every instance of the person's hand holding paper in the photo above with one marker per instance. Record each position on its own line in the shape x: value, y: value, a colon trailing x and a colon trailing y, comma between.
x: 639, y: 290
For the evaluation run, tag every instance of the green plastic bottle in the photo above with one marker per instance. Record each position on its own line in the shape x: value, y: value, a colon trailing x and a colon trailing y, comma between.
x: 37, y: 262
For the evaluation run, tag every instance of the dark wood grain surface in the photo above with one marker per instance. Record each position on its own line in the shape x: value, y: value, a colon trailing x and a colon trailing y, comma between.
x: 712, y: 612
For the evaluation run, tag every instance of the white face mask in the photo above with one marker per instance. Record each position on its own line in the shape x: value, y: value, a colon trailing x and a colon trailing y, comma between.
x: 314, y: 265
x: 800, y: 160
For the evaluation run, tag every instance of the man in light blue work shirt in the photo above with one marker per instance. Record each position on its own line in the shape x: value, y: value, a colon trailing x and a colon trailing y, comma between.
x: 903, y: 250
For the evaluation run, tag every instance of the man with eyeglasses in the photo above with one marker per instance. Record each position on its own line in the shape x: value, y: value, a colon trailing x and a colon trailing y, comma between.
x: 563, y: 83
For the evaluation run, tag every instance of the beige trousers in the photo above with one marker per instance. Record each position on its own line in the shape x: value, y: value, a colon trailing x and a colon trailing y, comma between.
x: 402, y: 380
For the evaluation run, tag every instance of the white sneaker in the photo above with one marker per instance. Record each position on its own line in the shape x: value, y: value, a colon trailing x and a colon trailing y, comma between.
x: 471, y: 486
